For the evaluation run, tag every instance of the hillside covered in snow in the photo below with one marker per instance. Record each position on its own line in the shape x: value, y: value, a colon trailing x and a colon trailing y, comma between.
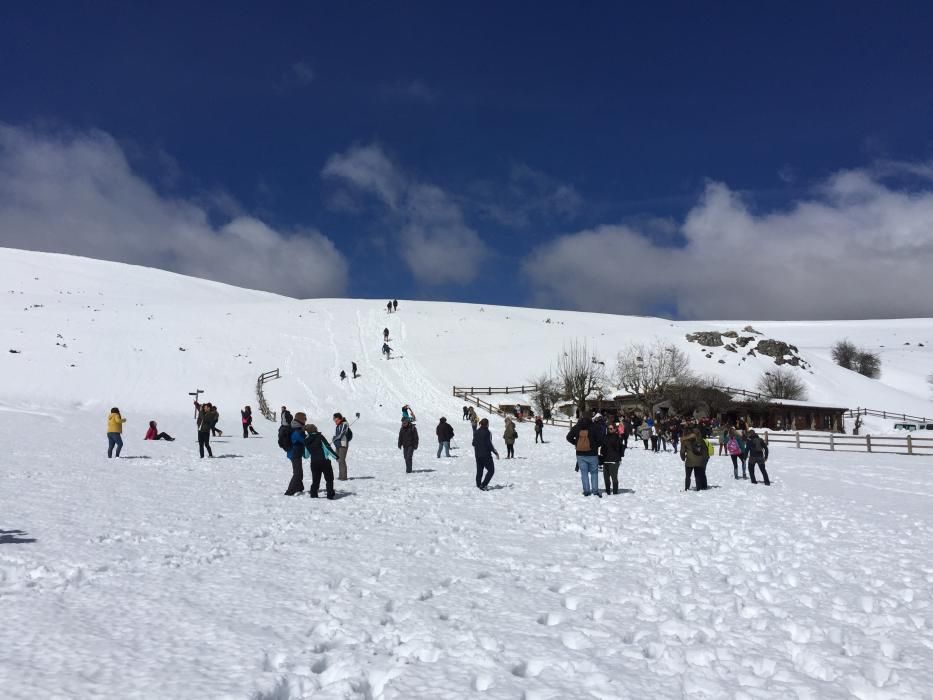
x: 161, y: 574
x: 83, y: 334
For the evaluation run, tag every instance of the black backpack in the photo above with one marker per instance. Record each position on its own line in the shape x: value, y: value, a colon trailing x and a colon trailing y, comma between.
x: 285, y: 437
x: 349, y: 434
x: 698, y: 447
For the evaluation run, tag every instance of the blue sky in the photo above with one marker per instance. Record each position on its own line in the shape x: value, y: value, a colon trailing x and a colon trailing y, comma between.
x: 580, y: 155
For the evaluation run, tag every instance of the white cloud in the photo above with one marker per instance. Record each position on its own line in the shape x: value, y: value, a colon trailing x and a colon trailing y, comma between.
x: 529, y: 195
x: 368, y: 170
x: 76, y: 193
x: 410, y: 90
x: 434, y: 239
x: 856, y: 249
x: 302, y: 73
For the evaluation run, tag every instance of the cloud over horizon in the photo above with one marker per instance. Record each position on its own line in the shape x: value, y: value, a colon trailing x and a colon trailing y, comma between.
x: 435, y: 241
x: 856, y: 248
x: 77, y: 193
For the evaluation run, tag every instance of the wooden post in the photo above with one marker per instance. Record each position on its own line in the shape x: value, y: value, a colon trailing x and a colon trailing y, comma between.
x: 868, y: 442
x: 798, y: 440
x: 910, y: 444
x: 766, y: 437
x: 832, y: 443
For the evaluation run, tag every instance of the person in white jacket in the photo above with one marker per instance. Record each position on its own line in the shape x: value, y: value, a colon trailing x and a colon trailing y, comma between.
x: 341, y: 444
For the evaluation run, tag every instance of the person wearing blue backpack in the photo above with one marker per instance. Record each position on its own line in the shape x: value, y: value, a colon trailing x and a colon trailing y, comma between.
x: 295, y: 452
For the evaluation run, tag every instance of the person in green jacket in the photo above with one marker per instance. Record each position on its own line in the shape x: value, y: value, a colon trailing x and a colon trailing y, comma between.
x: 510, y: 436
x: 695, y: 455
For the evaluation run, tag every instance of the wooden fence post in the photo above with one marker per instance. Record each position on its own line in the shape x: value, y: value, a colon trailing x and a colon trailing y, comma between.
x: 910, y: 444
x: 766, y: 437
x: 832, y: 443
x: 868, y: 442
x: 798, y: 440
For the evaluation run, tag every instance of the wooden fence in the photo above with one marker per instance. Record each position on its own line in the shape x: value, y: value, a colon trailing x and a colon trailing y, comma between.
x: 834, y: 442
x: 469, y: 394
x: 263, y: 406
x: 889, y: 415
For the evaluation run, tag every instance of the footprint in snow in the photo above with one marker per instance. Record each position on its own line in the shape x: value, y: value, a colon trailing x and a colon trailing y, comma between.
x: 550, y: 619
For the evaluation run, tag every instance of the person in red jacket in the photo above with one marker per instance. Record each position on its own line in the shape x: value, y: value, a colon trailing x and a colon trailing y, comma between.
x: 154, y: 434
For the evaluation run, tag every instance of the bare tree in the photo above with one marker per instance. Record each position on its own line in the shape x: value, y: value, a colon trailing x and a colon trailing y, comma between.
x: 844, y: 354
x: 782, y: 384
x: 579, y: 373
x: 693, y: 392
x: 647, y: 372
x: 868, y: 363
x: 545, y: 392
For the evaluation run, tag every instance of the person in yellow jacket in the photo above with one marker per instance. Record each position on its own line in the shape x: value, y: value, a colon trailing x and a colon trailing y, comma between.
x: 114, y: 427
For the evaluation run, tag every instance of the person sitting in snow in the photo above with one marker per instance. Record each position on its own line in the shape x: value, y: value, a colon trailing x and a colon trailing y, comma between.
x: 343, y: 375
x: 154, y: 434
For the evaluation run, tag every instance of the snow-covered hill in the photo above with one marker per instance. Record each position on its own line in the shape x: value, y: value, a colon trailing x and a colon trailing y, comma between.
x: 89, y: 334
x: 162, y: 575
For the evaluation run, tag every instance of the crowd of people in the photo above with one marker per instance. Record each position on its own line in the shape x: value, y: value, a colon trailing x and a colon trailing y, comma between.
x: 599, y: 442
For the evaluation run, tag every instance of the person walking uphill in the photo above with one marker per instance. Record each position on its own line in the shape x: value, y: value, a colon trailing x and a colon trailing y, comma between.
x: 408, y: 442
x: 342, y: 437
x: 757, y: 454
x: 295, y: 453
x: 539, y: 429
x: 114, y: 432
x: 445, y: 433
x: 585, y: 438
x: 510, y: 436
x: 206, y: 421
x: 320, y: 452
x: 483, y: 450
x: 695, y: 455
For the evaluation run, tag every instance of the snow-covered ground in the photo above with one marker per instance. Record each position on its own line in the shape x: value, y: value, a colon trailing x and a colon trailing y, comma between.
x: 166, y: 576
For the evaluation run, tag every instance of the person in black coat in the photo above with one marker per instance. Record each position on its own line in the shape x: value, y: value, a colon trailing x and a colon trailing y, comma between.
x: 246, y: 417
x: 483, y: 449
x: 757, y: 455
x: 445, y: 433
x: 610, y: 454
x: 408, y: 442
x: 321, y: 452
